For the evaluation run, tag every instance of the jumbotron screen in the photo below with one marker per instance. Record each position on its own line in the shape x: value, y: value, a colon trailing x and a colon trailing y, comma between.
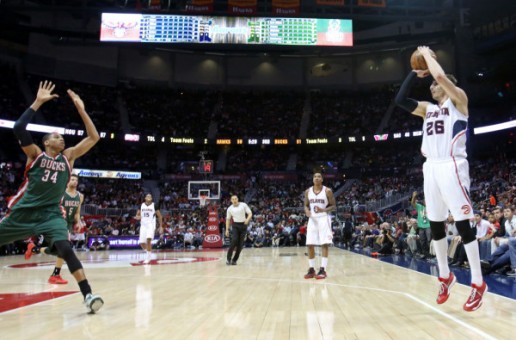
x: 164, y: 28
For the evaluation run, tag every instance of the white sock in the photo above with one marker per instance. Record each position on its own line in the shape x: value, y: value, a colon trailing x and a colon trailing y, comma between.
x: 441, y: 254
x: 311, y: 263
x: 474, y: 262
x: 324, y: 262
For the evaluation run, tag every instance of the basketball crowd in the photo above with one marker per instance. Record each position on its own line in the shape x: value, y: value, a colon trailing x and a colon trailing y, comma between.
x: 360, y: 176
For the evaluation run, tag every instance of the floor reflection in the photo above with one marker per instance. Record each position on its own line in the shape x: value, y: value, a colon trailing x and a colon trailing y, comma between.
x: 498, y: 284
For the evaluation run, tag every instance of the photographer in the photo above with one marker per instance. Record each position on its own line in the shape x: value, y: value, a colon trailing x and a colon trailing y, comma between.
x: 385, y: 240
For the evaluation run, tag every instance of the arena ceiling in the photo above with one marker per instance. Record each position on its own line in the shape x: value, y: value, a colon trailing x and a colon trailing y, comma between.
x: 17, y: 19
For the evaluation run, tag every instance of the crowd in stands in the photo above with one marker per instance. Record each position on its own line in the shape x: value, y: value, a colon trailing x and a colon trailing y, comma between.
x: 170, y: 112
x: 260, y: 114
x: 162, y: 111
x: 375, y: 172
x: 110, y: 155
x: 12, y: 103
x: 243, y: 160
x: 341, y: 114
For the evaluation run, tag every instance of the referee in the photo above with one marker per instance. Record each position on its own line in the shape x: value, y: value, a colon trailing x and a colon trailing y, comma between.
x: 237, y: 211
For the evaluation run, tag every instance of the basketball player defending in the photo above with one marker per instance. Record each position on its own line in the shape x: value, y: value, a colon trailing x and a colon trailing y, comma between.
x: 71, y: 203
x: 35, y: 209
x: 446, y: 171
x: 319, y: 201
x: 237, y: 212
x: 147, y: 216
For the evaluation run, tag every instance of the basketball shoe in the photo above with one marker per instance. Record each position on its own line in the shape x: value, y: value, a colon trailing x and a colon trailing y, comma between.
x: 148, y: 257
x: 310, y: 274
x: 28, y: 252
x: 444, y: 290
x: 93, y: 303
x: 57, y: 280
x: 321, y: 274
x: 475, y: 299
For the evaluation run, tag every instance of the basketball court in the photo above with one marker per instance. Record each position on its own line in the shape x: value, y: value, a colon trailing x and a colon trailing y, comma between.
x: 195, y: 295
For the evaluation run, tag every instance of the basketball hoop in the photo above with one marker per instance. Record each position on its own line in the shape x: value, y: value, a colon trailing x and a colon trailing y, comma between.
x: 202, y: 200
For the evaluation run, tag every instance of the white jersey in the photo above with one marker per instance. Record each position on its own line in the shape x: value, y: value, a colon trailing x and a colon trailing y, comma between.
x: 238, y: 213
x: 319, y: 200
x: 444, y: 132
x: 148, y: 214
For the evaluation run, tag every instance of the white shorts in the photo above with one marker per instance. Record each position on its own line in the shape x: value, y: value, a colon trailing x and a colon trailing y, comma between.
x: 146, y: 231
x: 447, y: 189
x: 318, y: 231
x: 79, y: 237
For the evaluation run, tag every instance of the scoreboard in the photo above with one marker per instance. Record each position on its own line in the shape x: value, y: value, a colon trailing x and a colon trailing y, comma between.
x: 164, y: 28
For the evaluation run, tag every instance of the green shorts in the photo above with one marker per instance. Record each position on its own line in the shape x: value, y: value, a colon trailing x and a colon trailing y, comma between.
x: 20, y: 224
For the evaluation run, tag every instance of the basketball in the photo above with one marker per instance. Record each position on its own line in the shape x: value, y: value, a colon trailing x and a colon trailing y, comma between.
x: 417, y: 62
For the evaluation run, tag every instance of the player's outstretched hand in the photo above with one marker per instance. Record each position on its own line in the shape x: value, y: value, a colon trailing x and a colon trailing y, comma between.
x: 77, y: 101
x: 45, y: 90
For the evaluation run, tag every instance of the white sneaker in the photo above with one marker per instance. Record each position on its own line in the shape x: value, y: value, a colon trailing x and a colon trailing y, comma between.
x: 93, y: 303
x: 148, y: 258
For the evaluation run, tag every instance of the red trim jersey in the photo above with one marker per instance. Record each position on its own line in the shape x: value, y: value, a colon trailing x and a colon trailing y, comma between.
x: 444, y: 132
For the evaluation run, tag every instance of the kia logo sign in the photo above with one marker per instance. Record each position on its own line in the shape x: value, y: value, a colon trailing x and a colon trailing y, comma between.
x: 212, y: 219
x: 212, y: 238
x: 213, y: 227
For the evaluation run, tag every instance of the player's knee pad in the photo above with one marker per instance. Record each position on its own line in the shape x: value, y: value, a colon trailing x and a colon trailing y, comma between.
x: 65, y: 251
x: 438, y: 230
x: 465, y: 231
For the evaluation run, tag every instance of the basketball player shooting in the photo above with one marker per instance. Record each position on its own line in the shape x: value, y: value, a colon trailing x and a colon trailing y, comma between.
x: 35, y: 209
x: 446, y: 170
x: 319, y: 201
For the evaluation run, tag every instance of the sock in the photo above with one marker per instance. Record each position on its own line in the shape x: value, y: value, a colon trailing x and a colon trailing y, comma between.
x: 324, y: 262
x: 56, y: 272
x: 441, y: 254
x: 85, y: 287
x: 474, y: 262
x: 311, y: 263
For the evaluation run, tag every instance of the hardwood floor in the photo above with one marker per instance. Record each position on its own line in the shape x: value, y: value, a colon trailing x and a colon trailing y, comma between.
x: 194, y: 295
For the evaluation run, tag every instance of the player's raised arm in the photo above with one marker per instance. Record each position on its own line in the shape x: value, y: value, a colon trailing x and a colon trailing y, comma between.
x: 457, y: 95
x: 44, y: 94
x: 413, y: 106
x: 92, y: 135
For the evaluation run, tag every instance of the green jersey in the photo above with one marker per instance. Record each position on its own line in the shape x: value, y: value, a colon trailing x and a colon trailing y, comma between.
x: 422, y: 219
x: 44, y: 183
x: 71, y: 204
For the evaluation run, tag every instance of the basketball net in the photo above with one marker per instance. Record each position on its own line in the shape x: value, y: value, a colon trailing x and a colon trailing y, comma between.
x: 202, y: 200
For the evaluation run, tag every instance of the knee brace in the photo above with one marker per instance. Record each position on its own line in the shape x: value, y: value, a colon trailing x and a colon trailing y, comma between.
x: 465, y: 231
x: 66, y: 253
x: 438, y: 230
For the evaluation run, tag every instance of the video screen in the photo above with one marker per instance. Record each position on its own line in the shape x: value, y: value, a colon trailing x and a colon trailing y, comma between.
x: 157, y: 28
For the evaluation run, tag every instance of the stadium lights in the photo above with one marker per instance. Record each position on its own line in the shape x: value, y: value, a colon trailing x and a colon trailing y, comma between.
x: 495, y: 127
